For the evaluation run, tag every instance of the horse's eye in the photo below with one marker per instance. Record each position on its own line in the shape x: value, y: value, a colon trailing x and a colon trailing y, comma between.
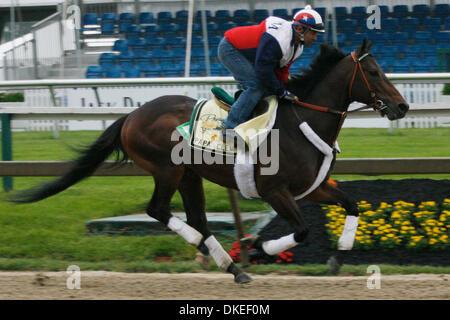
x: 373, y: 73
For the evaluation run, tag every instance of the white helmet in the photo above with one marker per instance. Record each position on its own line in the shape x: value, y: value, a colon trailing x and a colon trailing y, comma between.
x: 309, y: 19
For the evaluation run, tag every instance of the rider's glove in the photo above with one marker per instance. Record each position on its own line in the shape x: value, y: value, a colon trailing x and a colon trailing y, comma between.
x: 288, y: 96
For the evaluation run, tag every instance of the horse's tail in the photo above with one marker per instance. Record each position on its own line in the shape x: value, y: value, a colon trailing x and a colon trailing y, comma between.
x: 89, y: 160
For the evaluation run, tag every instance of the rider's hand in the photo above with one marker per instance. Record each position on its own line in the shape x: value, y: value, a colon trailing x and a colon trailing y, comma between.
x: 288, y: 96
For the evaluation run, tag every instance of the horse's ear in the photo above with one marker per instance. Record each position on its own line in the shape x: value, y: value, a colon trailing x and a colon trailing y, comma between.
x: 369, y: 45
x: 362, y: 48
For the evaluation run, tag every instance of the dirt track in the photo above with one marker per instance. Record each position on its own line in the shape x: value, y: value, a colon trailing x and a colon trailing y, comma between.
x: 216, y: 286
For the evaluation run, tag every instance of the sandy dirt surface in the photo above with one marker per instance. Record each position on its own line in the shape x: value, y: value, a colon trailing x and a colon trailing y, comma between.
x: 95, y: 285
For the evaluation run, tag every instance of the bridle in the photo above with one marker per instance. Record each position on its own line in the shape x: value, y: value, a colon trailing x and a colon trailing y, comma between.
x: 377, y: 105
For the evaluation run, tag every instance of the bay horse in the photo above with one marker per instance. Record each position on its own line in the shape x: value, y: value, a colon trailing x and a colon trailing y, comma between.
x: 325, y: 90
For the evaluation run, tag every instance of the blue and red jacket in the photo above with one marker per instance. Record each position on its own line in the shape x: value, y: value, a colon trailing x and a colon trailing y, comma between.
x: 270, y: 47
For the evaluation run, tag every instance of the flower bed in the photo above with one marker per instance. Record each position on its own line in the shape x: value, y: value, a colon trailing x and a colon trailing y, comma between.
x: 393, y: 226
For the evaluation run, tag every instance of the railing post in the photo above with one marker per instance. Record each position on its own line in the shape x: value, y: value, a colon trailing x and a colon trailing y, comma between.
x: 7, y: 148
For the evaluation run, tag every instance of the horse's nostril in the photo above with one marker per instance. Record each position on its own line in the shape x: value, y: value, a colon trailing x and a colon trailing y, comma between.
x: 403, y: 106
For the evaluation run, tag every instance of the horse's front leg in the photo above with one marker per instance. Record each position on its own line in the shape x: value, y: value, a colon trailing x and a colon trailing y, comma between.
x: 284, y: 204
x: 329, y: 194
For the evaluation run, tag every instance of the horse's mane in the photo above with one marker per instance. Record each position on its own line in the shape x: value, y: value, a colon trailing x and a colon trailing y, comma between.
x: 302, y: 84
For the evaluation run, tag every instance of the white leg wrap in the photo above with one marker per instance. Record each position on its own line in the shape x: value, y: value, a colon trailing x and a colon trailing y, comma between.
x: 186, y: 231
x: 348, y: 234
x: 220, y: 256
x: 273, y: 247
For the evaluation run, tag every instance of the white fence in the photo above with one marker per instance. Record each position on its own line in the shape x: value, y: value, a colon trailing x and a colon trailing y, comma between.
x: 422, y: 91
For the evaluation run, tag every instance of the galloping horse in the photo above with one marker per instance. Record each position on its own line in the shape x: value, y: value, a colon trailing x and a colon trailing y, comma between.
x: 326, y: 89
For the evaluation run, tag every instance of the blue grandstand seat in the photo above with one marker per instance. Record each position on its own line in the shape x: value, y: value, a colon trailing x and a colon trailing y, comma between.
x: 447, y: 23
x: 197, y: 69
x: 432, y: 24
x: 94, y: 72
x: 150, y: 70
x: 109, y: 17
x: 146, y: 18
x: 120, y: 45
x: 113, y: 72
x: 260, y: 14
x: 157, y: 42
x: 358, y: 13
x: 400, y: 38
x: 347, y: 25
x: 151, y: 29
x: 181, y: 16
x: 141, y: 55
x: 389, y: 24
x: 107, y: 58
x: 164, y: 17
x: 410, y: 25
x: 376, y: 50
x: 176, y: 42
x: 131, y: 72
x: 198, y: 54
x: 341, y: 13
x: 400, y: 11
x: 216, y: 69
x: 168, y: 27
x: 133, y: 30
x: 401, y: 66
x: 430, y: 51
x: 341, y: 38
x: 282, y: 13
x: 125, y: 58
x: 90, y: 19
x: 422, y: 37
x: 421, y: 65
x: 241, y: 15
x: 322, y: 11
x: 157, y: 53
x: 166, y: 56
x: 442, y: 37
x: 384, y: 10
x: 223, y: 27
x: 107, y: 28
x: 126, y: 19
x: 222, y: 16
x: 212, y: 27
x: 389, y: 52
x: 173, y: 69
x: 137, y: 43
x: 214, y: 40
x: 386, y: 64
x: 420, y: 11
x: 198, y: 16
x: 414, y: 51
x: 197, y: 41
x: 179, y: 54
x: 441, y: 10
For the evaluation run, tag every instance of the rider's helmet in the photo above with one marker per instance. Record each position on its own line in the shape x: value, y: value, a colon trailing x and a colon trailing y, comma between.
x: 309, y: 19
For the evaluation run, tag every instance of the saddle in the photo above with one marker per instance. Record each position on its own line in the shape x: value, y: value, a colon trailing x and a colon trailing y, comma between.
x: 203, y: 131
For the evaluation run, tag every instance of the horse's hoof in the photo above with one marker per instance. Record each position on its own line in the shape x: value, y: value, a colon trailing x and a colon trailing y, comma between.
x: 334, y: 265
x: 243, y: 278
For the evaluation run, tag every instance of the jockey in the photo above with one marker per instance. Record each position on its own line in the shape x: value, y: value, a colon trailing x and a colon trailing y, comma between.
x: 259, y: 58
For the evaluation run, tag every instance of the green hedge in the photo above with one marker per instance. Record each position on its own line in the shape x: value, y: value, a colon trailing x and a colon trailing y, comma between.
x: 11, y: 97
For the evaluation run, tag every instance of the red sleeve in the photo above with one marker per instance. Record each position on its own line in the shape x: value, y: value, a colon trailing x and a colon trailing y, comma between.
x: 283, y: 73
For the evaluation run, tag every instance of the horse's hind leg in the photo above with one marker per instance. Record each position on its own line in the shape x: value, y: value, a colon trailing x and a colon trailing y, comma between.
x: 191, y: 190
x: 284, y: 204
x: 166, y: 183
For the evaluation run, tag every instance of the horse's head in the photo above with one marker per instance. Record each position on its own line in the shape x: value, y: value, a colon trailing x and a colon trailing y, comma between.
x: 370, y: 85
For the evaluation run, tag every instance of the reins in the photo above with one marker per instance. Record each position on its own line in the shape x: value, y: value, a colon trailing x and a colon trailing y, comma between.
x: 377, y: 105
